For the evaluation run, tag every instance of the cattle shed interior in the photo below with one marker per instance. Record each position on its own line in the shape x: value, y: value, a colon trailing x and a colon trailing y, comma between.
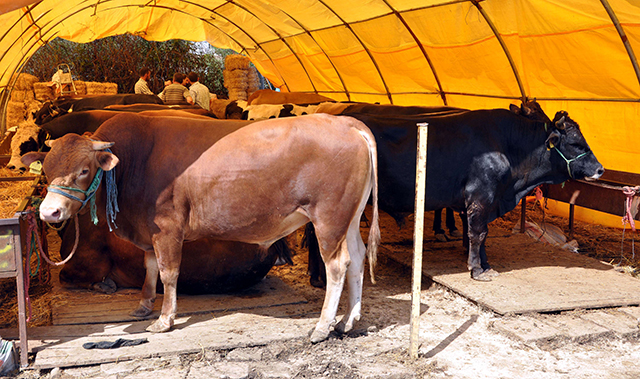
x: 573, y: 55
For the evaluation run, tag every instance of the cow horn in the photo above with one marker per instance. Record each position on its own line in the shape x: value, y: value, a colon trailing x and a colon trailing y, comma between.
x: 99, y: 145
x: 560, y: 123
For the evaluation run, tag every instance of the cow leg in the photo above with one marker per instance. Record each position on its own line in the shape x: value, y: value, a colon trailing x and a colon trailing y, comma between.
x: 355, y: 277
x: 336, y: 266
x: 169, y: 254
x: 315, y: 266
x: 478, y: 220
x: 149, y: 287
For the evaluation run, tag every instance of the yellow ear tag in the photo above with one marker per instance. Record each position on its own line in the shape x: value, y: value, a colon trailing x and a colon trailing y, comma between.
x: 551, y: 146
x: 35, y: 168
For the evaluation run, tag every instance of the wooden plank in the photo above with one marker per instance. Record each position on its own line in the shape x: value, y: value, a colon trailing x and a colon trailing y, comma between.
x: 621, y: 177
x: 591, y: 196
x: 84, y: 307
x: 16, y: 178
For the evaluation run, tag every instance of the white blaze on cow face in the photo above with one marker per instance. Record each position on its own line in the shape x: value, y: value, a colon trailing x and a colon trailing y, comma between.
x: 80, y: 169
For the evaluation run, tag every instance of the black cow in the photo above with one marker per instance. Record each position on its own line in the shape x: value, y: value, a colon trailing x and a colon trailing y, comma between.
x: 65, y: 104
x: 316, y: 268
x: 479, y: 162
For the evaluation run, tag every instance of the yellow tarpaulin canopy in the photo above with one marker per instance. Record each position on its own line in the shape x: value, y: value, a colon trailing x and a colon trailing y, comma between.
x: 575, y: 55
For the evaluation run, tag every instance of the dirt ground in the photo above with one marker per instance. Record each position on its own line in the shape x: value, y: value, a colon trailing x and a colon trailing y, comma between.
x: 458, y: 338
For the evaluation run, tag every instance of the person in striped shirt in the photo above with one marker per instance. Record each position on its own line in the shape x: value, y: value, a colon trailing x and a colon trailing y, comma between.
x: 176, y: 93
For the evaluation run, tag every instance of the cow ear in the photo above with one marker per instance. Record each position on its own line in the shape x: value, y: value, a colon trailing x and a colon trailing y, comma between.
x: 552, y: 140
x: 99, y: 145
x: 514, y: 109
x: 50, y: 142
x: 107, y: 161
x: 31, y: 157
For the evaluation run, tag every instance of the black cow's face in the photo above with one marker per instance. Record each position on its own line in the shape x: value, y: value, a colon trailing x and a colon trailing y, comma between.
x: 574, y: 154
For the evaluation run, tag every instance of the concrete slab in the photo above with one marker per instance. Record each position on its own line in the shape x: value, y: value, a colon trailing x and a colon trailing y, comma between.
x: 534, y: 277
x: 574, y: 327
x: 527, y: 329
x: 191, y: 334
x: 632, y: 311
x: 614, y: 320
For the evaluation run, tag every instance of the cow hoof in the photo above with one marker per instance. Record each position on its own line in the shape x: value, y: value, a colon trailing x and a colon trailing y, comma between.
x: 480, y: 275
x: 107, y: 286
x: 141, y: 311
x: 441, y: 237
x: 491, y: 273
x: 342, y: 327
x: 319, y: 336
x: 159, y: 326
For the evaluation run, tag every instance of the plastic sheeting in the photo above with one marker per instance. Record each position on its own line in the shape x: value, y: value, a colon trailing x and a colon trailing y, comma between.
x: 576, y: 55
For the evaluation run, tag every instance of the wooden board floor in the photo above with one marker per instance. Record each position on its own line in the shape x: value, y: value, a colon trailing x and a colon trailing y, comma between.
x: 85, y: 307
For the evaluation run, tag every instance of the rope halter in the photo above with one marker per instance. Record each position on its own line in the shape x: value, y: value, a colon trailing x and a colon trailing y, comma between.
x: 89, y: 194
x: 112, y: 195
x: 569, y: 160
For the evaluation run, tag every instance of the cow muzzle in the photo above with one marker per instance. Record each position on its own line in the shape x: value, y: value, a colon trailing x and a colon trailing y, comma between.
x: 598, y: 174
x: 55, y: 208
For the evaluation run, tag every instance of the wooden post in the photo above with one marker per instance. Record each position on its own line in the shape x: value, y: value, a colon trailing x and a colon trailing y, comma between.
x: 418, y: 230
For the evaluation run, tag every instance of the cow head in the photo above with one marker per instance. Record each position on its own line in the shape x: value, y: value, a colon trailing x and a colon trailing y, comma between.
x: 28, y: 137
x: 569, y: 149
x: 71, y: 167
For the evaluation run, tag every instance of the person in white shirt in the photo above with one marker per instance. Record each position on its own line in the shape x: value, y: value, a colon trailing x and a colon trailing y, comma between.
x: 141, y: 86
x: 199, y: 92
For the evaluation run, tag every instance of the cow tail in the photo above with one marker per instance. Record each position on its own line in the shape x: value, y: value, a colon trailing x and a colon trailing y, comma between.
x: 374, y: 231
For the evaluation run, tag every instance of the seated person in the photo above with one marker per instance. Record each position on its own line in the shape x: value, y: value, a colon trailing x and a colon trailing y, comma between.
x: 176, y: 93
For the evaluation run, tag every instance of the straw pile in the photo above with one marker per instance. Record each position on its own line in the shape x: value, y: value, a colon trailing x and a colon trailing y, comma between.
x: 236, y: 76
x: 253, y: 81
x: 11, y: 193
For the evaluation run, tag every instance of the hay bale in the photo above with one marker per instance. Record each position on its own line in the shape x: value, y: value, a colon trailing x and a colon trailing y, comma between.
x: 18, y: 95
x: 81, y: 87
x: 94, y: 88
x: 110, y: 88
x: 253, y: 80
x: 236, y: 79
x: 25, y: 82
x: 43, y: 91
x: 236, y: 62
x: 235, y: 94
x: 29, y: 96
x: 15, y: 113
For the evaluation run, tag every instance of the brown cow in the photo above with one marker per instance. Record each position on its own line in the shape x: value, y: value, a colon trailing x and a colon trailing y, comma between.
x: 267, y: 96
x: 179, y: 179
x: 103, y: 262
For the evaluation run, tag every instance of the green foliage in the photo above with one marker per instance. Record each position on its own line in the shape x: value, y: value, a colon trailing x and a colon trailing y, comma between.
x: 117, y: 59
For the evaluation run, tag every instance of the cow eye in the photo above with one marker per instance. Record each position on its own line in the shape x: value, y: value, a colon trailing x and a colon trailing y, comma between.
x: 84, y: 172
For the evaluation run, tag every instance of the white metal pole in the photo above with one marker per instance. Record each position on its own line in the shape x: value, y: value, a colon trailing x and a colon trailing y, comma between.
x: 418, y: 230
